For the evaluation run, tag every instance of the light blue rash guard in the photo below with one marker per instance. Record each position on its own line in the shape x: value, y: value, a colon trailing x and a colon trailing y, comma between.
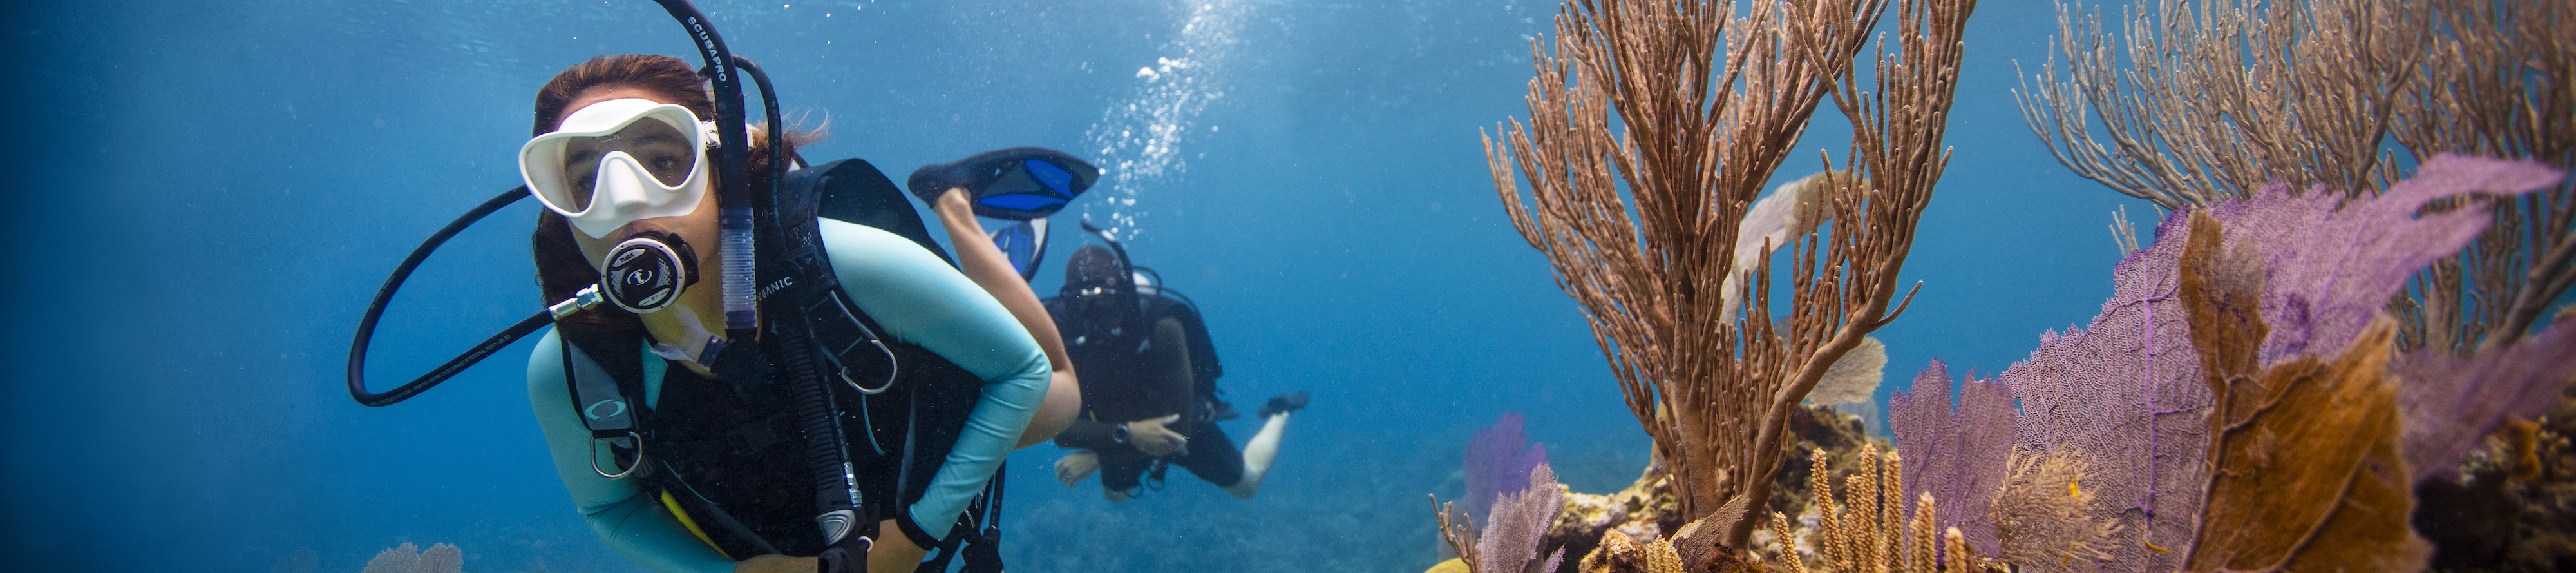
x: 916, y: 298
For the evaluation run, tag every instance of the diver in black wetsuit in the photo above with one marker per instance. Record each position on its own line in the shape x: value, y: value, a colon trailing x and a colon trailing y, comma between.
x: 1149, y: 386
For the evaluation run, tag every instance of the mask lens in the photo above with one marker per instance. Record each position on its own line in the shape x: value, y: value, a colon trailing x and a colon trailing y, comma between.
x: 656, y: 145
x: 653, y: 141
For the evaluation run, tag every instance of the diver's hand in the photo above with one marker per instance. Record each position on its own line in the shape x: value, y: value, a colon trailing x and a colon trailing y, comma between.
x: 1071, y: 468
x: 775, y: 564
x: 1150, y: 436
x: 893, y: 552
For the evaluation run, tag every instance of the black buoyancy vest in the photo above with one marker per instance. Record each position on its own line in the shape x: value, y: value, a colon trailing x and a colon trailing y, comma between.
x: 731, y: 455
x: 1118, y: 362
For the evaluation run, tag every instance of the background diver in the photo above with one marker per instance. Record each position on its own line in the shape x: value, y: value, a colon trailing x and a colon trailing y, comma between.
x: 1149, y: 396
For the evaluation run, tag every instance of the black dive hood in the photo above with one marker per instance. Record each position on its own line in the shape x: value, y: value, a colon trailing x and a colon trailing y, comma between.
x: 736, y: 222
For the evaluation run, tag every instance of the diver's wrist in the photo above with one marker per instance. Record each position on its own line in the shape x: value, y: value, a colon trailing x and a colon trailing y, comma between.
x: 1118, y: 434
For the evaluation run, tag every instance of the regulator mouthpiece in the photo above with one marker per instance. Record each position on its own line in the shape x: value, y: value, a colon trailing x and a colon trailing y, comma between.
x: 648, y: 272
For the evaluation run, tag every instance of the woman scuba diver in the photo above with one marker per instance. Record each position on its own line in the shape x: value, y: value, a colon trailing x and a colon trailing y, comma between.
x: 620, y: 164
x: 836, y: 398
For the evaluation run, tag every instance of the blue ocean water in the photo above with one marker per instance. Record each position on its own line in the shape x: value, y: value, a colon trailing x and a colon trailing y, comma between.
x: 214, y: 189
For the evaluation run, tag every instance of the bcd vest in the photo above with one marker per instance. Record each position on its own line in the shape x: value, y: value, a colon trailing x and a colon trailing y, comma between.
x: 731, y: 459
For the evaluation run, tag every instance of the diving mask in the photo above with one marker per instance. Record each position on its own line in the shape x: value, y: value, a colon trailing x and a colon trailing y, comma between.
x: 620, y: 161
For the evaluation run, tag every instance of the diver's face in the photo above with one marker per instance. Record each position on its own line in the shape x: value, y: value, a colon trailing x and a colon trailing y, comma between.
x: 663, y: 149
x: 660, y: 148
x: 1099, y: 307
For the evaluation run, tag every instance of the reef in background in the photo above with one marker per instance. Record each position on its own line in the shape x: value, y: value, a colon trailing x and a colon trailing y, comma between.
x: 2513, y: 506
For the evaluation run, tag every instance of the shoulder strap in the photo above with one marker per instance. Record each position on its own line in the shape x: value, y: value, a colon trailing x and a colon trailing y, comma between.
x: 854, y: 191
x: 609, y: 405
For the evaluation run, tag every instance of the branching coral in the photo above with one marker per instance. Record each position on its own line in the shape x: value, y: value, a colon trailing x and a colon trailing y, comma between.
x: 1707, y: 100
x: 2227, y: 96
x: 2495, y: 83
x: 1868, y: 531
x: 2221, y: 98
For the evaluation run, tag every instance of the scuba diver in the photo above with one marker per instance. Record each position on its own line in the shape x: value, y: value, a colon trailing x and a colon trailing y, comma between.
x: 1149, y: 396
x: 795, y: 379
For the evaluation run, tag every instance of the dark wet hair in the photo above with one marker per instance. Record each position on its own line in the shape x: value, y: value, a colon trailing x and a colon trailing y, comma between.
x: 561, y: 267
x: 1099, y: 266
x: 1094, y: 265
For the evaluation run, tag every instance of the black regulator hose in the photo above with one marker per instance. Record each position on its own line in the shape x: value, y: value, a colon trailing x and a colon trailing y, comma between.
x: 733, y: 168
x: 777, y: 131
x: 385, y: 294
x: 836, y: 495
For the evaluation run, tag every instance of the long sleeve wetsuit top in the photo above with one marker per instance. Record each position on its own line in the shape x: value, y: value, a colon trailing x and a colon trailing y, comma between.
x: 916, y: 298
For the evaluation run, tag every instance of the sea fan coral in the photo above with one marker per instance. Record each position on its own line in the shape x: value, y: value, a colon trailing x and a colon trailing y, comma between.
x: 2333, y: 265
x: 1960, y: 457
x: 1854, y: 378
x: 2130, y: 392
x: 2305, y: 474
x: 2450, y: 402
x: 1499, y: 460
x: 2126, y: 395
x: 1510, y: 540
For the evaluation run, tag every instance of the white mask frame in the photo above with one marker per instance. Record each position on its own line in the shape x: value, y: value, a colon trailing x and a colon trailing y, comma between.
x: 624, y: 191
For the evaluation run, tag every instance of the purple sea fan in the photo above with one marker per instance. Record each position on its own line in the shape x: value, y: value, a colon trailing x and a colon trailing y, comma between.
x: 1520, y: 523
x: 2449, y: 402
x: 2125, y: 394
x: 1499, y: 460
x: 1960, y: 457
x: 2334, y: 263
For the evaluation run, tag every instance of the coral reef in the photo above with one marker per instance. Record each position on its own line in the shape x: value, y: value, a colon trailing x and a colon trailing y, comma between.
x: 2512, y: 505
x: 408, y: 558
x: 1622, y: 554
x: 1510, y: 540
x: 1645, y: 510
x: 1499, y: 459
x: 1689, y: 156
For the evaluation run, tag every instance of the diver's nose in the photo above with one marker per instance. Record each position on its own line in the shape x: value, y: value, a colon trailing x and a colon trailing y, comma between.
x: 619, y: 183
